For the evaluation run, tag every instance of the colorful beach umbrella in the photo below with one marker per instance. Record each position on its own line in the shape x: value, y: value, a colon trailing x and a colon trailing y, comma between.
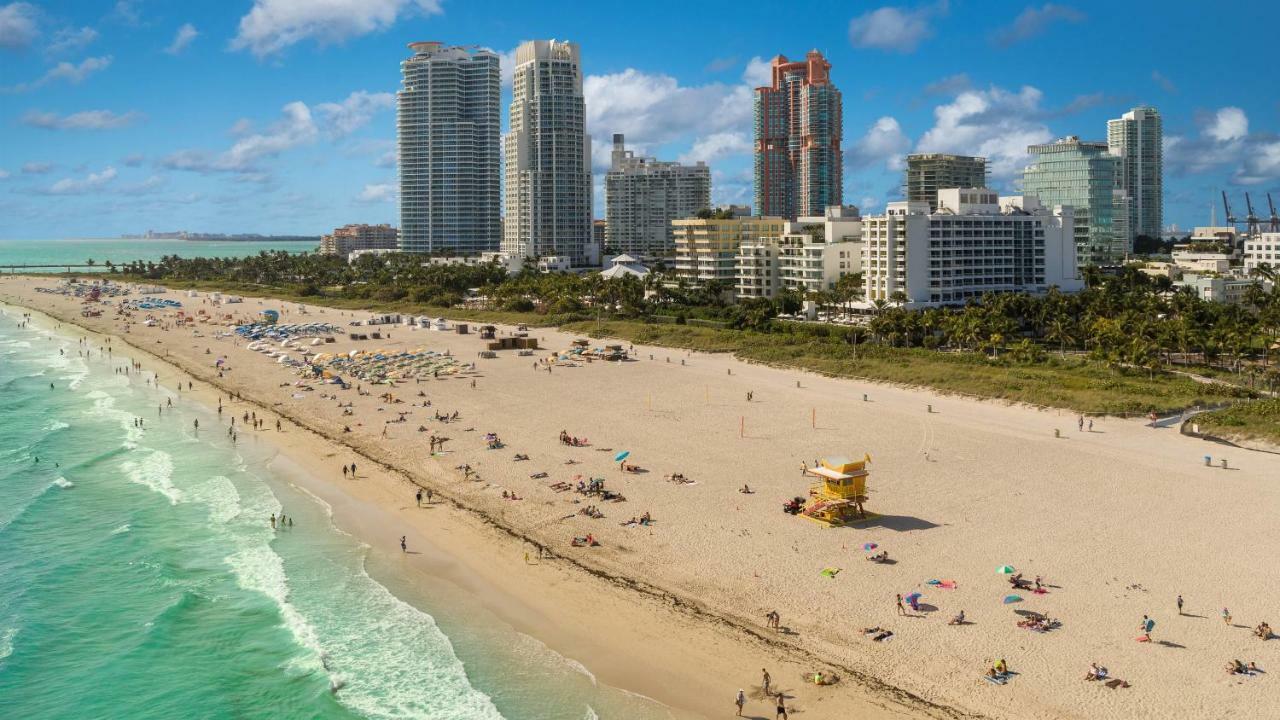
x: 1010, y: 599
x: 1005, y: 570
x: 869, y: 546
x: 621, y: 456
x: 913, y: 596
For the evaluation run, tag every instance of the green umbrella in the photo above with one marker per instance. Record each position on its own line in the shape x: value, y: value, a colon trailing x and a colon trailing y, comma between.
x: 1005, y: 570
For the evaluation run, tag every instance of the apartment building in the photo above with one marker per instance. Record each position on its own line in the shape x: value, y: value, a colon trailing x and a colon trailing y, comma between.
x: 974, y: 243
x: 643, y: 195
x: 927, y: 173
x: 1264, y: 249
x: 798, y: 127
x: 449, y: 143
x: 350, y: 238
x: 811, y: 256
x: 548, y: 156
x: 1083, y: 175
x: 1137, y: 138
x: 707, y: 249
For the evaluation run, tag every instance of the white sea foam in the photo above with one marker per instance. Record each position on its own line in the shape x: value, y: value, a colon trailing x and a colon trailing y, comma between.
x: 155, y: 471
x: 580, y: 668
x: 63, y: 483
x: 220, y: 495
x: 121, y: 530
x: 6, y: 642
x: 400, y: 666
x: 55, y: 425
x: 591, y: 714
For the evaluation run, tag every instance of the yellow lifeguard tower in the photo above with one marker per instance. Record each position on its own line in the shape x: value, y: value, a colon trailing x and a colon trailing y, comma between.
x: 840, y: 489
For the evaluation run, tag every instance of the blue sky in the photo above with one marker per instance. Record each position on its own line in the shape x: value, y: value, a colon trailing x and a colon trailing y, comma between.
x: 277, y: 116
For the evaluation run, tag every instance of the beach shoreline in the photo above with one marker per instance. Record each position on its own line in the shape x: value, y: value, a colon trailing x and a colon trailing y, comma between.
x: 941, y: 474
x: 688, y: 655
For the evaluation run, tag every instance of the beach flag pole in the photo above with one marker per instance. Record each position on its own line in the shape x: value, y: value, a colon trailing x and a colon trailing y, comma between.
x: 742, y: 426
x: 813, y: 419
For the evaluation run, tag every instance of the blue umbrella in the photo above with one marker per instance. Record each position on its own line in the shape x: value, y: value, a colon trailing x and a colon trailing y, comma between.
x: 621, y: 456
x: 1008, y: 599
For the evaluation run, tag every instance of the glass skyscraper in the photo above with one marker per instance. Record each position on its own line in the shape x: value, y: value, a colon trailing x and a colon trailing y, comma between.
x: 448, y: 132
x: 798, y: 126
x: 1137, y: 138
x: 1083, y: 175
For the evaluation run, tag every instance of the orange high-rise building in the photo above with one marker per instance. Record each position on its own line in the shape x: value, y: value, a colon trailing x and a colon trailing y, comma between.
x: 798, y: 125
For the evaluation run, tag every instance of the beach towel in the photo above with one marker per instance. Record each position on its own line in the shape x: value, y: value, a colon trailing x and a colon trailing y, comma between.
x: 1001, y: 680
x: 831, y: 572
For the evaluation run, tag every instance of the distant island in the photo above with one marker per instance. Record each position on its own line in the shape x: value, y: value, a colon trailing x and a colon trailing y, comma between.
x: 238, y: 237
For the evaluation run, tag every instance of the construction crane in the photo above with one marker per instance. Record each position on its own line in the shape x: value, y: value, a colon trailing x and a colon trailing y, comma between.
x: 1253, y: 222
x: 1275, y: 219
x: 1230, y: 219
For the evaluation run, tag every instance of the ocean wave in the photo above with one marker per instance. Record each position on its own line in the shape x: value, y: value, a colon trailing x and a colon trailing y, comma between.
x: 591, y: 714
x: 261, y: 570
x: 155, y: 471
x: 221, y: 497
x: 63, y: 483
x: 104, y: 405
x: 121, y: 530
x: 401, y: 666
x: 55, y: 425
x: 6, y: 642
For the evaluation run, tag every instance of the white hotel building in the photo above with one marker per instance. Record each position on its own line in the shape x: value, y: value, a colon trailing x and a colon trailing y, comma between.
x: 1264, y: 248
x: 811, y: 256
x: 975, y: 243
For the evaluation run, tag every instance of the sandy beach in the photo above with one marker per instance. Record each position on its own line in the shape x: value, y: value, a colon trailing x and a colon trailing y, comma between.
x: 1118, y: 521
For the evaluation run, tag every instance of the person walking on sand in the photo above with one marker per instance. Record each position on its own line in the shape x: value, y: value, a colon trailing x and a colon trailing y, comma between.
x: 804, y: 468
x: 781, y: 712
x: 404, y: 544
x: 740, y: 701
x: 419, y: 497
x: 901, y: 610
x: 1226, y: 616
x: 764, y: 680
x: 429, y: 494
x: 1179, y: 604
x: 344, y: 471
x: 1080, y: 423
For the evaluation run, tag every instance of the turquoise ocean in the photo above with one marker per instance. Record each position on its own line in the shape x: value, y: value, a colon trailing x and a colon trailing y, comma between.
x: 120, y: 251
x: 140, y: 577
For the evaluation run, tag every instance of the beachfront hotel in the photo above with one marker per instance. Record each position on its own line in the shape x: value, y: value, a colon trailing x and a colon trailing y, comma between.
x: 448, y: 135
x: 548, y: 156
x: 643, y: 195
x: 707, y: 248
x: 798, y: 126
x: 350, y: 238
x: 1083, y: 175
x: 811, y: 256
x: 974, y: 243
x: 1137, y: 138
x: 927, y: 173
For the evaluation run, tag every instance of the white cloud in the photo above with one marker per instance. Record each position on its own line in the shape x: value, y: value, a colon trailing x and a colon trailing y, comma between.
x: 1225, y: 141
x: 298, y: 126
x: 994, y: 123
x: 36, y: 168
x: 70, y: 72
x: 1229, y: 123
x: 273, y: 25
x: 883, y: 142
x: 85, y: 120
x: 4, y: 174
x: 126, y: 11
x: 949, y: 85
x: 758, y: 73
x: 134, y: 160
x: 81, y: 185
x: 1165, y: 83
x: 895, y: 29
x: 655, y: 109
x: 68, y: 40
x: 381, y: 192
x: 506, y: 66
x: 354, y: 112
x: 1033, y: 21
x: 18, y: 25
x: 712, y: 147
x: 184, y: 37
